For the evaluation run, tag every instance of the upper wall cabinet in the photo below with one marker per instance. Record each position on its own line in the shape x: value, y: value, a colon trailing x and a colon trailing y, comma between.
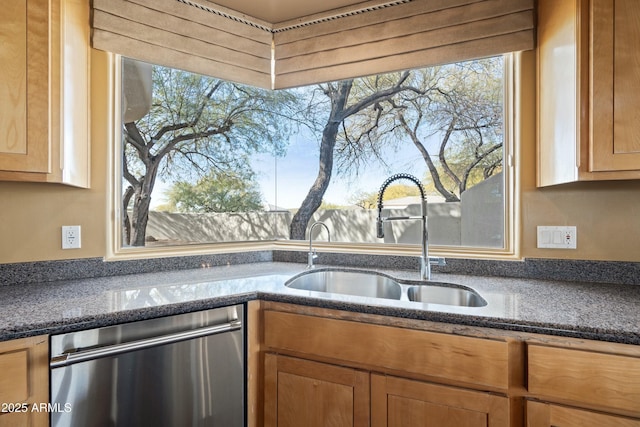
x: 44, y: 91
x: 588, y: 90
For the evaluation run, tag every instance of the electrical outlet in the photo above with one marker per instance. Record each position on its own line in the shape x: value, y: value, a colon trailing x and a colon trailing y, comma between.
x: 557, y: 237
x: 70, y: 237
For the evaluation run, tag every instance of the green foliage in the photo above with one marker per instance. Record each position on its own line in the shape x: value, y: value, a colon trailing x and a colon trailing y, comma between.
x: 198, y: 122
x: 204, y: 130
x: 329, y: 205
x: 452, y: 114
x: 216, y: 192
x: 369, y: 200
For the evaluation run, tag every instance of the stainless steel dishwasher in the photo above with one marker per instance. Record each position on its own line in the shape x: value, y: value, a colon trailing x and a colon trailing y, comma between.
x: 183, y: 370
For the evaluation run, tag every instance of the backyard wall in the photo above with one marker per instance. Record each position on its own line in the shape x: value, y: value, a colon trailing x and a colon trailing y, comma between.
x: 475, y: 221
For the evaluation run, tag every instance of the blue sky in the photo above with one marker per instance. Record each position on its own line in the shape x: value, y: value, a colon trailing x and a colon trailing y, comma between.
x: 299, y: 168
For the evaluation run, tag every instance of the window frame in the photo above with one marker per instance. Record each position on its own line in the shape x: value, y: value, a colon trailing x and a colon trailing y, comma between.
x: 510, y: 251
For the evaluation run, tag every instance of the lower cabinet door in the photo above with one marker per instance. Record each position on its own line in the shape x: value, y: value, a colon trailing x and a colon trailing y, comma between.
x: 15, y: 419
x: 301, y: 393
x: 24, y: 382
x: 541, y: 414
x: 398, y: 402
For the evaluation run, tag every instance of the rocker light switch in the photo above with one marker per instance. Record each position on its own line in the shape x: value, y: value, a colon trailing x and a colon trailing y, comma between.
x: 557, y: 237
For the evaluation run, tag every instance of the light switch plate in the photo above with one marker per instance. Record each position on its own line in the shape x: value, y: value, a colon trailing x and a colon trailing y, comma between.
x: 557, y: 237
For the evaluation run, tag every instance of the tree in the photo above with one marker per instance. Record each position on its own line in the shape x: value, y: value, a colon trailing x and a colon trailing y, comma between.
x: 452, y: 115
x: 217, y: 192
x: 465, y: 113
x: 196, y: 124
x: 346, y: 98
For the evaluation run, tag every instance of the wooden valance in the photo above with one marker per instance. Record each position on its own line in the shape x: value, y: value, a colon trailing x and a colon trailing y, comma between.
x: 212, y: 40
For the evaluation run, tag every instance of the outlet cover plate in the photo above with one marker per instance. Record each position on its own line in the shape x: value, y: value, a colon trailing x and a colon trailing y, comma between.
x: 71, y: 237
x: 557, y: 237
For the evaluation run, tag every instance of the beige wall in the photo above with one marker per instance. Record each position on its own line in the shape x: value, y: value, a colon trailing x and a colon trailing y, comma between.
x: 607, y: 214
x: 32, y: 214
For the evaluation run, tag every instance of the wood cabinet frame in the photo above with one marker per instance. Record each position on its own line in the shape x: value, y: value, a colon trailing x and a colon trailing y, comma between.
x: 56, y: 132
x: 24, y: 364
x: 526, y: 385
x: 578, y: 108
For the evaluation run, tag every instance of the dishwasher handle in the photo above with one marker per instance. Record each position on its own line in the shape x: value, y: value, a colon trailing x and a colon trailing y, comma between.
x: 73, y: 357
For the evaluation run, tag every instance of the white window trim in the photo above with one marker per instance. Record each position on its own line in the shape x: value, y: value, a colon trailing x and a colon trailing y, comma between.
x: 511, y: 251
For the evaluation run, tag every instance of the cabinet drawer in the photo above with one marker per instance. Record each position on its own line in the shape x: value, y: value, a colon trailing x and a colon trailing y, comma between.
x: 541, y: 414
x: 586, y: 377
x: 451, y: 357
x: 14, y: 381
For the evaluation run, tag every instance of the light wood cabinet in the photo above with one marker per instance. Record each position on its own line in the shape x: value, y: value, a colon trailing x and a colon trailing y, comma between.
x: 587, y: 378
x: 421, y: 373
x: 399, y: 402
x: 301, y: 392
x: 24, y: 92
x: 321, y: 371
x: 465, y: 360
x: 582, y: 380
x: 541, y: 414
x: 588, y: 90
x: 24, y: 382
x: 44, y: 91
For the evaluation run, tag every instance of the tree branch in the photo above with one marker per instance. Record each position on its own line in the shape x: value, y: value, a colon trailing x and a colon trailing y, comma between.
x: 135, y: 138
x: 379, y: 96
x: 169, y: 128
x: 126, y: 174
x: 441, y: 155
x: 475, y: 163
x: 449, y: 196
x: 193, y: 136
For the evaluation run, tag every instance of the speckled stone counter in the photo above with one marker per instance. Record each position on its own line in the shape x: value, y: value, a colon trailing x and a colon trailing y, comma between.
x: 605, y: 312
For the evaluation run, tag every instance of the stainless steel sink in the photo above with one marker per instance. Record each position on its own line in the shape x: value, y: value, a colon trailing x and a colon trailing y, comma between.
x: 447, y: 295
x: 374, y: 285
x: 348, y: 283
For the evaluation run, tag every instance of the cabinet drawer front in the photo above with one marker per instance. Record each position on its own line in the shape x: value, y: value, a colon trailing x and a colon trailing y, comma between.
x: 452, y: 357
x: 586, y: 377
x: 14, y: 381
x: 540, y: 414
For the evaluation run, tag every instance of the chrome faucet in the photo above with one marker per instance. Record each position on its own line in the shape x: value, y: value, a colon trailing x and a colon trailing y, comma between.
x: 425, y: 262
x: 312, y: 255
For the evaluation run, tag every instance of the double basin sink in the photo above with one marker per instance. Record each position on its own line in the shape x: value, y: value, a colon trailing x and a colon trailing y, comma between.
x: 375, y: 285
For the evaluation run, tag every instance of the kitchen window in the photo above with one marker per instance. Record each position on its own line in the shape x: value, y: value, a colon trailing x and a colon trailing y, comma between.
x: 204, y: 164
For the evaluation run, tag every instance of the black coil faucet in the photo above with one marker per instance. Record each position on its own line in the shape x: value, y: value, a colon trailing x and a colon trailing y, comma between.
x: 425, y: 266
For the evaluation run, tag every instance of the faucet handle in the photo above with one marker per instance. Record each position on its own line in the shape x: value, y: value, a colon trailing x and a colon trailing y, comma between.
x: 311, y: 256
x: 379, y: 228
x: 439, y: 261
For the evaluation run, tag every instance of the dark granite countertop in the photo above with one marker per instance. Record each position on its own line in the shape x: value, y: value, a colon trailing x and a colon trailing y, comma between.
x: 606, y: 312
